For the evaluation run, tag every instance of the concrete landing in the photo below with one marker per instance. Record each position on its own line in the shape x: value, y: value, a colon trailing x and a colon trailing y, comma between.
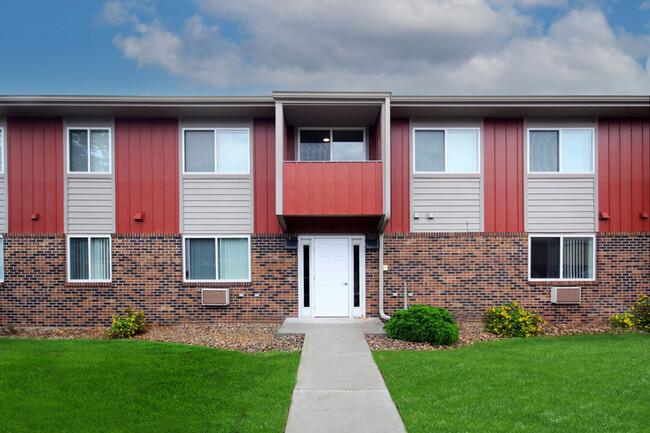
x: 340, y: 388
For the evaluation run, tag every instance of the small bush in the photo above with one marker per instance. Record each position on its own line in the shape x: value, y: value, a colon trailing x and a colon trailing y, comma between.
x: 641, y: 313
x: 9, y: 329
x: 621, y: 321
x: 423, y: 323
x: 511, y: 320
x: 129, y: 325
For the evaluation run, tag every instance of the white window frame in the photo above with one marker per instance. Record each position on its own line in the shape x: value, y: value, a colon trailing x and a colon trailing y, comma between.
x: 216, y: 257
x: 559, y: 149
x: 366, y: 151
x: 561, y: 237
x: 110, y: 149
x: 445, y: 130
x: 2, y: 150
x: 216, y: 130
x: 110, y: 258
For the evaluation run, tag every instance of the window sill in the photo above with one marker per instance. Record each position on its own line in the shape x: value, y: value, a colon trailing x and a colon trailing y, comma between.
x: 216, y: 284
x: 564, y: 283
x: 88, y: 284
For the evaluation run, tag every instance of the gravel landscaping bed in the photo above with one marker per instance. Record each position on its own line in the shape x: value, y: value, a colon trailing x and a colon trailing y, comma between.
x: 471, y: 333
x: 244, y: 337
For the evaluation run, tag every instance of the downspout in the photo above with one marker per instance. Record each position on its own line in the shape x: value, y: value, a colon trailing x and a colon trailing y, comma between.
x: 382, y: 313
x: 385, y: 156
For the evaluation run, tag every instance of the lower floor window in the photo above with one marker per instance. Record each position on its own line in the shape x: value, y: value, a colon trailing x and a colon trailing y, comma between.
x: 217, y: 258
x: 564, y: 257
x: 89, y: 258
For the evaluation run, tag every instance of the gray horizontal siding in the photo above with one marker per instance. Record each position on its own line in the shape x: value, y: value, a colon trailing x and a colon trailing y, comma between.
x: 4, y: 227
x: 90, y: 205
x: 217, y: 205
x: 455, y: 204
x: 561, y: 204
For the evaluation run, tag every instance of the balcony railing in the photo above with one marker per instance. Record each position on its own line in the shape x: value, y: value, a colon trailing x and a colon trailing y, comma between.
x: 332, y: 188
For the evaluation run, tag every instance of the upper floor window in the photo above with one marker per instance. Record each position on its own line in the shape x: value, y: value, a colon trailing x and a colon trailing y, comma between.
x: 89, y: 150
x: 332, y: 145
x: 446, y: 150
x: 561, y: 150
x: 213, y: 150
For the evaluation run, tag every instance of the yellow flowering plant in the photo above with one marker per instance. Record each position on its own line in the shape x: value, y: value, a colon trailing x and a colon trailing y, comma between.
x: 641, y: 313
x: 621, y: 321
x: 127, y: 326
x: 511, y: 320
x: 638, y: 316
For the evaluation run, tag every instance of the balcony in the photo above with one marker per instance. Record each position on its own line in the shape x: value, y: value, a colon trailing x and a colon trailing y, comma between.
x: 332, y: 188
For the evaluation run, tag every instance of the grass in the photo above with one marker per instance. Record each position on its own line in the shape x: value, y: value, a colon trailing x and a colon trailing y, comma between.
x: 141, y: 386
x: 585, y: 383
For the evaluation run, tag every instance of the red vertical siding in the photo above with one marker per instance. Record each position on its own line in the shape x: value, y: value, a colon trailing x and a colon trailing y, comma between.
x: 374, y: 141
x: 265, y: 218
x: 35, y: 174
x: 289, y: 143
x: 624, y: 174
x: 503, y: 153
x: 399, y: 172
x: 332, y: 188
x: 146, y: 172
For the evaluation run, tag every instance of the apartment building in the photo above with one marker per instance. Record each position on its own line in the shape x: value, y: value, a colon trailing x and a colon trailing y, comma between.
x: 241, y: 209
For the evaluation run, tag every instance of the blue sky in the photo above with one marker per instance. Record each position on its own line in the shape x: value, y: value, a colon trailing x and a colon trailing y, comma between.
x: 214, y: 47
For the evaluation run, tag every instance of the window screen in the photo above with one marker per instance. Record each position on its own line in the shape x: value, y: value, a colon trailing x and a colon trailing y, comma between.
x: 429, y: 151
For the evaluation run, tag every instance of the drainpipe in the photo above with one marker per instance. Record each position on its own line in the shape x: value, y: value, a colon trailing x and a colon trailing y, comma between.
x: 382, y: 314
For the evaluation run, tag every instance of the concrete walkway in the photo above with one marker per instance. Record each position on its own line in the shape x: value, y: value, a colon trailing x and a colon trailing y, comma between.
x: 340, y: 388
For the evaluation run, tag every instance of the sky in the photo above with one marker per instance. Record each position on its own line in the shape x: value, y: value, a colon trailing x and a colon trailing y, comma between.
x: 255, y: 47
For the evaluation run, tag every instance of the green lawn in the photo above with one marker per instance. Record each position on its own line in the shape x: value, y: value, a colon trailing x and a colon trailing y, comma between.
x: 140, y: 386
x: 586, y: 383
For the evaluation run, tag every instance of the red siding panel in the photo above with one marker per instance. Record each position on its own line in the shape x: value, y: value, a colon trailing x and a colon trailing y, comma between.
x: 289, y: 143
x: 400, y: 171
x: 265, y: 218
x: 35, y: 174
x: 624, y: 174
x: 146, y: 172
x: 315, y: 188
x: 503, y: 157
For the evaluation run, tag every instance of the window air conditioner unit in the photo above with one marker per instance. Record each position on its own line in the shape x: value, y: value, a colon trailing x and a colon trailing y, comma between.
x: 565, y: 295
x: 215, y: 296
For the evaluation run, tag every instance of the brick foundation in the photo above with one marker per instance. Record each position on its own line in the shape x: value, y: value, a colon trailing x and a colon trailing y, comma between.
x: 147, y: 275
x: 466, y: 273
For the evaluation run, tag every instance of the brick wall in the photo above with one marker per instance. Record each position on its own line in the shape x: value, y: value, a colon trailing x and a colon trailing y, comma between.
x: 469, y: 272
x: 466, y: 273
x: 147, y: 275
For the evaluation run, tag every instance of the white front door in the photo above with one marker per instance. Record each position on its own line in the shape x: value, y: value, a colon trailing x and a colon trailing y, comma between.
x: 331, y: 277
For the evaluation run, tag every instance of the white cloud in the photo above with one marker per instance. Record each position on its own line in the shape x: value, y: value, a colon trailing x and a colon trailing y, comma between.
x: 404, y: 46
x: 542, y: 3
x: 645, y: 5
x: 119, y: 12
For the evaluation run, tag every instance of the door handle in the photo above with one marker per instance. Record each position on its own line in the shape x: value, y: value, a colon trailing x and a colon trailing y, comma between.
x: 345, y: 284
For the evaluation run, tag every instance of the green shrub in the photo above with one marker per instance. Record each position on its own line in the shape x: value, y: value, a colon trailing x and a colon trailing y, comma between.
x: 511, y: 320
x: 621, y: 321
x: 641, y: 313
x: 129, y: 325
x: 423, y: 323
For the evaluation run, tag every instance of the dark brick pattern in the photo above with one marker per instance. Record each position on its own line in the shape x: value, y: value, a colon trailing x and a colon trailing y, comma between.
x: 466, y: 273
x: 147, y: 275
